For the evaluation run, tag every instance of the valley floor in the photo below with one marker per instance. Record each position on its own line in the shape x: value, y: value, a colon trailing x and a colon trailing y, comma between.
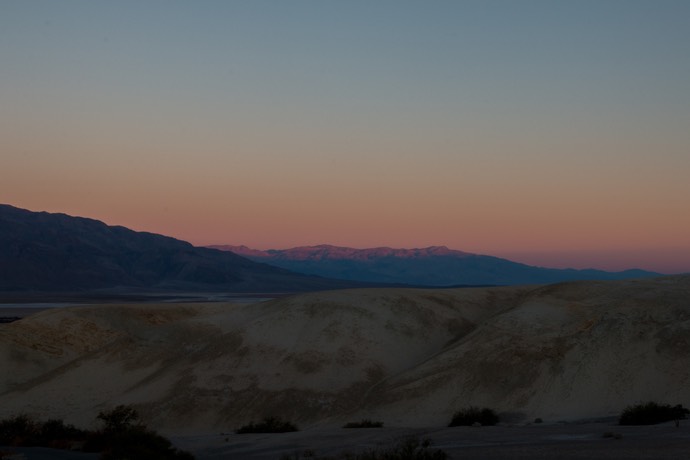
x: 574, y: 441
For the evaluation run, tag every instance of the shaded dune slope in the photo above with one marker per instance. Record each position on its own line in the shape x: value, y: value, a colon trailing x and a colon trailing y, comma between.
x: 408, y: 357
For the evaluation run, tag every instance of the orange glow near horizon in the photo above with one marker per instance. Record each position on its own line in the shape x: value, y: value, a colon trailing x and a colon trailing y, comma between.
x: 561, y: 240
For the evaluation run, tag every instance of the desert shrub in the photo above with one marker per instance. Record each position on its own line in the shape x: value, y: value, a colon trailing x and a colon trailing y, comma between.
x: 139, y: 442
x: 123, y: 437
x: 408, y: 449
x: 471, y: 415
x: 56, y: 434
x: 652, y: 413
x: 268, y: 425
x: 120, y: 418
x: 365, y: 423
x: 96, y: 441
x: 19, y: 430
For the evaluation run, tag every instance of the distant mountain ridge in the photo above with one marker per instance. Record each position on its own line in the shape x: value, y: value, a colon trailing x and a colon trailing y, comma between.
x: 327, y: 251
x: 431, y: 266
x: 41, y: 251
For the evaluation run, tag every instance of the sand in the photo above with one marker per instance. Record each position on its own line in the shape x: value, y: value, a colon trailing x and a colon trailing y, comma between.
x: 407, y: 357
x: 581, y: 441
x: 19, y: 311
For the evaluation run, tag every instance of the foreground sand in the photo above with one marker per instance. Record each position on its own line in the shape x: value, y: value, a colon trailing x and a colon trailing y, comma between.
x: 407, y: 357
x: 582, y: 441
x: 19, y: 311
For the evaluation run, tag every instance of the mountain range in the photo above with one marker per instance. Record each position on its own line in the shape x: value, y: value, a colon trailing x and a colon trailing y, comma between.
x: 41, y: 251
x: 432, y: 266
x: 47, y: 252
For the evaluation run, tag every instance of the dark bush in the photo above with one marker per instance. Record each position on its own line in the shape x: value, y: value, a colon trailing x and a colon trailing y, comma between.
x: 121, y: 418
x: 123, y: 437
x: 472, y: 415
x: 652, y: 413
x: 139, y: 442
x: 18, y: 431
x: 365, y: 423
x: 58, y: 435
x: 24, y: 431
x: 268, y: 425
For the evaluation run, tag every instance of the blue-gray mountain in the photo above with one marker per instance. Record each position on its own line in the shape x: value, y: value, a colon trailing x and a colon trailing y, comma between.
x: 40, y: 251
x: 432, y: 266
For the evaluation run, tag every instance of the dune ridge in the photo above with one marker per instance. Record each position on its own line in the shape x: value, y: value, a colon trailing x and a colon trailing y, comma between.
x: 409, y: 357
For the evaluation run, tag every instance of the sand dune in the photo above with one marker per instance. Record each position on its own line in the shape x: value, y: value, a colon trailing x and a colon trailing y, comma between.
x: 407, y: 357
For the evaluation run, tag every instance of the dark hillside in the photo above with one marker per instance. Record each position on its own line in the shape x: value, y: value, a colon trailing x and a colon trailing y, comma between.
x: 40, y: 251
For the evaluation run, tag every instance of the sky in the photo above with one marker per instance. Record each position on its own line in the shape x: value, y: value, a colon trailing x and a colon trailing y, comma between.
x: 554, y: 133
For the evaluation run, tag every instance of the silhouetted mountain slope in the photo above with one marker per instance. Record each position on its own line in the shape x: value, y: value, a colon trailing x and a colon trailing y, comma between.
x: 433, y: 266
x: 41, y: 251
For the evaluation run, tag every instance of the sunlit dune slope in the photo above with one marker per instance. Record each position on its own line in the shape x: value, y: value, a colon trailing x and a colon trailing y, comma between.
x: 407, y: 357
